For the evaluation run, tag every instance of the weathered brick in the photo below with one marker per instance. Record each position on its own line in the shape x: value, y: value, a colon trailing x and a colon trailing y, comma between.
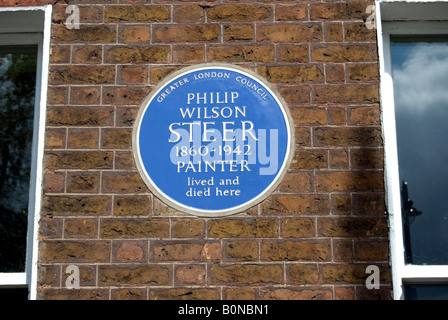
x: 148, y: 274
x: 363, y: 72
x: 130, y: 251
x: 303, y: 274
x: 60, y: 54
x: 188, y: 13
x: 128, y: 294
x: 85, y: 95
x: 87, y: 54
x: 291, y: 12
x: 296, y: 294
x: 83, y: 182
x: 298, y: 228
x: 117, y: 138
x: 307, y: 115
x: 63, y: 116
x: 79, y: 205
x: 296, y: 94
x: 346, y: 93
x: 159, y: 73
x: 297, y: 182
x: 124, y: 95
x: 134, y: 228
x: 369, y: 203
x: 344, y: 293
x: 138, y: 54
x: 57, y: 95
x: 123, y: 183
x: 132, y: 206
x: 296, y: 251
x: 366, y: 115
x: 186, y: 251
x: 246, y: 274
x: 136, y: 13
x: 296, y: 33
x: 82, y: 75
x: 85, y: 228
x: 188, y: 228
x: 134, y: 34
x: 342, y: 203
x: 293, y: 53
x: 239, y: 32
x: 338, y: 159
x: 188, y: 54
x: 240, y: 293
x: 83, y: 138
x: 126, y: 116
x: 242, y: 250
x: 343, y: 53
x: 54, y: 182
x: 309, y: 159
x: 335, y: 73
x: 75, y: 251
x: 353, y: 227
x: 133, y: 75
x: 337, y: 115
x: 296, y: 204
x: 186, y: 33
x: 367, y: 158
x: 339, y: 11
x: 239, y: 12
x: 79, y: 159
x: 190, y: 274
x: 343, y: 250
x: 124, y: 160
x: 334, y: 32
x: 291, y: 74
x: 359, y: 32
x: 303, y: 137
x: 350, y: 273
x: 70, y: 294
x: 372, y: 250
x: 238, y: 228
x: 184, y: 294
x: 236, y: 53
x: 100, y: 34
x: 348, y: 136
x: 349, y: 181
x: 55, y: 138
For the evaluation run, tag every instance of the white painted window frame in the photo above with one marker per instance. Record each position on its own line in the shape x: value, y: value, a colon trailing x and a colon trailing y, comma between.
x: 19, y: 26
x: 407, y: 17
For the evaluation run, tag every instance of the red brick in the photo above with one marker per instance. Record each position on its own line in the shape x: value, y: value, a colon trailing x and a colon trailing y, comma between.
x: 349, y: 181
x: 136, y: 13
x: 239, y: 12
x: 188, y: 13
x: 353, y: 227
x: 186, y: 33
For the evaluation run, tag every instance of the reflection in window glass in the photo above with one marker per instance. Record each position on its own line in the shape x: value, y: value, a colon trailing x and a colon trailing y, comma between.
x: 420, y: 74
x: 426, y: 292
x: 17, y: 89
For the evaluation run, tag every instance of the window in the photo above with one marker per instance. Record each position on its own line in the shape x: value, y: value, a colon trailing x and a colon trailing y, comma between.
x: 413, y: 50
x: 24, y: 56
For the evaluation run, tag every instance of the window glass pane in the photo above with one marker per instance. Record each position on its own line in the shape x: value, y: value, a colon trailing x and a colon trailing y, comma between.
x: 420, y: 74
x: 426, y: 292
x: 17, y: 88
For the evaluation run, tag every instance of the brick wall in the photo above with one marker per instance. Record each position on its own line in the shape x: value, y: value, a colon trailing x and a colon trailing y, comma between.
x: 311, y: 239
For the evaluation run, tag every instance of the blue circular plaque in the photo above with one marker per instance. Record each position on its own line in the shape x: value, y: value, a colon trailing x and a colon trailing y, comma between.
x: 213, y: 140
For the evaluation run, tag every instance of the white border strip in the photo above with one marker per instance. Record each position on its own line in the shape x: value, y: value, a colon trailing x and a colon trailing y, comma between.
x: 40, y: 37
x: 32, y: 270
